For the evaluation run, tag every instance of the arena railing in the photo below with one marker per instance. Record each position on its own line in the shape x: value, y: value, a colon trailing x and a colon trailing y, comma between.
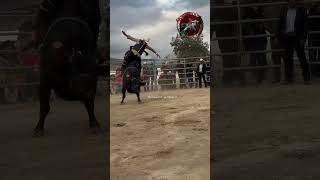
x: 240, y: 37
x: 13, y: 33
x: 184, y: 76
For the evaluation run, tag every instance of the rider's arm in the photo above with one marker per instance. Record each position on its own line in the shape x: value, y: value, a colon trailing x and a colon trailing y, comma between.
x: 148, y: 47
x: 43, y: 17
x: 130, y: 37
x: 46, y: 11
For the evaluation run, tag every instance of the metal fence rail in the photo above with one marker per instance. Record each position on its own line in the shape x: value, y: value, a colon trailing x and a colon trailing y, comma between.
x: 261, y: 4
x: 238, y: 20
x: 169, y: 74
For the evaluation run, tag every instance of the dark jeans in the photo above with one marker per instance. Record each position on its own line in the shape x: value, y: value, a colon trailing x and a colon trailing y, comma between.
x: 292, y: 43
x: 202, y: 76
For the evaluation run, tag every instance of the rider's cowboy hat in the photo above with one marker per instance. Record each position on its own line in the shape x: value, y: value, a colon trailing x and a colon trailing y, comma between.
x: 201, y: 60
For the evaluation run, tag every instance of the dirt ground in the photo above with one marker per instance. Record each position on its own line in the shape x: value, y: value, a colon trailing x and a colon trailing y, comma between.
x: 266, y: 133
x: 68, y: 152
x: 164, y: 138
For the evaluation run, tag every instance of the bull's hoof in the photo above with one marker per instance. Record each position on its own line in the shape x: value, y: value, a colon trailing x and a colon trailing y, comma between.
x: 122, y: 103
x: 96, y: 130
x: 38, y: 133
x: 140, y: 102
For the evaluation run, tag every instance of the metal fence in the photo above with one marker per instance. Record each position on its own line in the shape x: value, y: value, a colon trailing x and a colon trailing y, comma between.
x: 164, y: 74
x: 241, y: 55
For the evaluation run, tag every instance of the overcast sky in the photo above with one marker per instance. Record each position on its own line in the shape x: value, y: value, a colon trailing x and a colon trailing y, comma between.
x: 154, y: 19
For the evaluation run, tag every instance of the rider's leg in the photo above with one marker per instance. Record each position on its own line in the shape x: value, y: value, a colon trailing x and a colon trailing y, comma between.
x: 142, y: 83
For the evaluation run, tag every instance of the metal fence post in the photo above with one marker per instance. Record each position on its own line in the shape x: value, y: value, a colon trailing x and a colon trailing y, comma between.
x: 185, y: 72
x: 240, y: 36
x: 154, y: 83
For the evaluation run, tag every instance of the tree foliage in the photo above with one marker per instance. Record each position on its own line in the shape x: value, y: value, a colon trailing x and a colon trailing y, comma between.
x: 189, y: 47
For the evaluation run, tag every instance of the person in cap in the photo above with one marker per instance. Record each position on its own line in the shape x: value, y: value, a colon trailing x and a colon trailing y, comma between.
x: 201, y: 71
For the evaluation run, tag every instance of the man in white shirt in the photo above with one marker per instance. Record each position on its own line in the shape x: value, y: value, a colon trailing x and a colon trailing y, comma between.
x: 290, y: 21
x: 201, y: 71
x: 293, y: 34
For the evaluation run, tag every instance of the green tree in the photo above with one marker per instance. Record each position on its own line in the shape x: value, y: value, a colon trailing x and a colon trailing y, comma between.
x: 189, y: 47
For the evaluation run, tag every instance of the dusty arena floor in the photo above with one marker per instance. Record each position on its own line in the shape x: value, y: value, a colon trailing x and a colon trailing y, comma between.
x: 266, y: 133
x: 164, y: 138
x: 68, y: 152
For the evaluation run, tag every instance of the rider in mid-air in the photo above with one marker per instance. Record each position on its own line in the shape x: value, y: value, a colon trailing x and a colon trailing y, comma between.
x: 135, y: 52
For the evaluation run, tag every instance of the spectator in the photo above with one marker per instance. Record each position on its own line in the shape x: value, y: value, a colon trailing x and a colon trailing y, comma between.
x: 293, y: 34
x: 201, y: 72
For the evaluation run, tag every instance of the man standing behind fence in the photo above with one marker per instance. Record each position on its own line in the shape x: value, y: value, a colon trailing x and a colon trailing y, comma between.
x: 201, y: 71
x: 293, y: 34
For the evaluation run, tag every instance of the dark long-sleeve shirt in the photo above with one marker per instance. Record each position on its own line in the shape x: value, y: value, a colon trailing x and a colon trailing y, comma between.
x: 300, y: 23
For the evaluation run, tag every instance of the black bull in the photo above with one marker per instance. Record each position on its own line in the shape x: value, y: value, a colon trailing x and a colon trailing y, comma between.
x: 131, y: 81
x: 68, y: 67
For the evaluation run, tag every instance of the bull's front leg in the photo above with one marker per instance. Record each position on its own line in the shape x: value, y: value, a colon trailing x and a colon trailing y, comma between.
x: 138, y: 96
x: 44, y: 97
x: 123, y: 94
x: 93, y: 123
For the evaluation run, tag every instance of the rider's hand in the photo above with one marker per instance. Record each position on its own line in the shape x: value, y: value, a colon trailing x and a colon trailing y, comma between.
x: 124, y: 33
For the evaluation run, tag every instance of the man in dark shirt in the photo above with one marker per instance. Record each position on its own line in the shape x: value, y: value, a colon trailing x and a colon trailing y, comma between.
x: 201, y: 71
x: 293, y: 33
